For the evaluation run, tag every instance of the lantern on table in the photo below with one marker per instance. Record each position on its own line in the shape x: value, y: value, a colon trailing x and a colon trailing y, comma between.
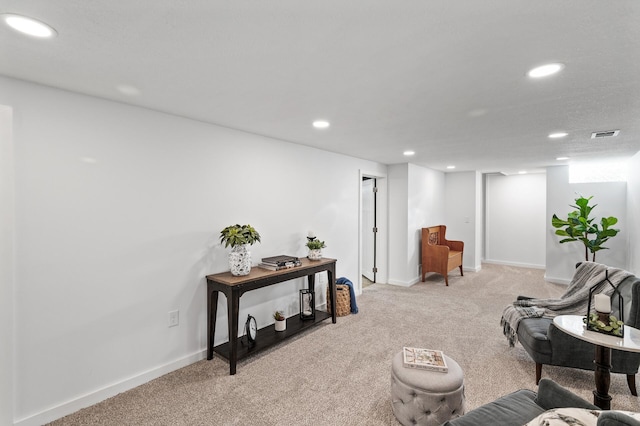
x: 307, y: 304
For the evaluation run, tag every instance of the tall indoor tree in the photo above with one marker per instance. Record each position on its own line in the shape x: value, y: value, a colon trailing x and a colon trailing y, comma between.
x: 580, y: 227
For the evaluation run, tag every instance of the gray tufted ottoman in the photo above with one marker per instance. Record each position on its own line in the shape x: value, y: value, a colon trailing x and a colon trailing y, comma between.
x: 426, y: 398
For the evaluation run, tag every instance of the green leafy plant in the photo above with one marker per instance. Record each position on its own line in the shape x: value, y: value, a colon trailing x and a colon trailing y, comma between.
x: 279, y: 316
x: 315, y: 244
x: 237, y: 235
x: 580, y: 227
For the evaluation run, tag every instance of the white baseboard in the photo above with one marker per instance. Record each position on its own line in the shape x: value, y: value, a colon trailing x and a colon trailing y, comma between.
x: 518, y: 264
x: 99, y: 395
x: 557, y: 280
x: 404, y: 283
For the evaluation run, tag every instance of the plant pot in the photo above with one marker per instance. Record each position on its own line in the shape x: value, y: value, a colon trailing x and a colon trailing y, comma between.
x: 315, y: 254
x: 240, y: 261
x: 281, y: 325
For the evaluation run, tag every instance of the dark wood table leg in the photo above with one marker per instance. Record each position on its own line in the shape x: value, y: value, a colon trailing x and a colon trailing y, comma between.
x: 601, y: 396
x: 212, y: 312
x: 331, y: 282
x: 233, y: 310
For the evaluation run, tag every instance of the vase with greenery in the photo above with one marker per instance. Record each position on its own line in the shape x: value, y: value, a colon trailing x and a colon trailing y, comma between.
x: 281, y: 321
x: 580, y: 227
x: 238, y: 237
x: 315, y: 247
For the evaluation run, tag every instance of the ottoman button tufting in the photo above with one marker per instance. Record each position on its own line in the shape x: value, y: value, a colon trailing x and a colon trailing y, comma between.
x: 435, y: 397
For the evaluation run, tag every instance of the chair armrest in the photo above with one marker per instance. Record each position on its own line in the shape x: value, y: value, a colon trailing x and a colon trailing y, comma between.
x: 438, y: 250
x: 525, y: 298
x: 552, y: 395
x: 612, y: 418
x: 455, y: 245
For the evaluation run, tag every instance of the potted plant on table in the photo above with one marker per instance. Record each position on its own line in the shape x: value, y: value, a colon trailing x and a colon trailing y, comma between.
x: 315, y: 247
x: 238, y: 237
x: 281, y: 321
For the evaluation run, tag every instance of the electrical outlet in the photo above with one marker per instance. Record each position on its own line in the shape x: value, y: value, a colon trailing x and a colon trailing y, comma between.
x: 174, y: 318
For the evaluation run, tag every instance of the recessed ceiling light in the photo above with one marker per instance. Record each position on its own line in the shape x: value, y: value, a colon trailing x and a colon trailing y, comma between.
x: 545, y: 70
x: 562, y: 158
x: 451, y: 167
x: 558, y: 135
x: 28, y: 26
x: 321, y: 124
x: 409, y: 153
x: 522, y: 172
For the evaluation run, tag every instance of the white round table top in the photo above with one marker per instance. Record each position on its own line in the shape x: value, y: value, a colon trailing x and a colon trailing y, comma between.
x: 574, y: 325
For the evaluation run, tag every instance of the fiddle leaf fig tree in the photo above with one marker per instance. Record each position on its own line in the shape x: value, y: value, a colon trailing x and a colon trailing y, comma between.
x: 580, y: 227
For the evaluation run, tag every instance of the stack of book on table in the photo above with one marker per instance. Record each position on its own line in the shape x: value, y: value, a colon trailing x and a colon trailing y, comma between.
x: 425, y: 359
x: 276, y: 263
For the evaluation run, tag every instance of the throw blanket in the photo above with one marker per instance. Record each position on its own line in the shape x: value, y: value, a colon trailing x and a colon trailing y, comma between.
x: 352, y: 293
x: 573, y: 302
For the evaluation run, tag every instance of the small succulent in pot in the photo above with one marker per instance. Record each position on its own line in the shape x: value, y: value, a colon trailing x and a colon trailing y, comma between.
x: 279, y: 316
x: 315, y: 244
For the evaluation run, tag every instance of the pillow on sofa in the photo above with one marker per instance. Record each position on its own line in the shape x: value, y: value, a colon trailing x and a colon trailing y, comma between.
x: 583, y: 416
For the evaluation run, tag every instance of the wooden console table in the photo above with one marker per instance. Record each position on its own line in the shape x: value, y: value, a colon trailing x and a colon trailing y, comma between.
x: 233, y: 287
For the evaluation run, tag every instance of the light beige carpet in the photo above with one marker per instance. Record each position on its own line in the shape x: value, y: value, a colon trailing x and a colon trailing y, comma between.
x: 339, y: 374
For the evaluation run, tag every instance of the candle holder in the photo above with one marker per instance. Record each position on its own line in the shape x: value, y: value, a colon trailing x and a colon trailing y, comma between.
x: 605, y: 322
x: 307, y: 304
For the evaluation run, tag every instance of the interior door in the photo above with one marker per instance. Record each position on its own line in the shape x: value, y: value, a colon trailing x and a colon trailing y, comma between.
x: 368, y: 228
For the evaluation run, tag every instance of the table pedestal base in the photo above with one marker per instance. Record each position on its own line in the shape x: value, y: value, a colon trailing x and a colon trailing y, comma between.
x: 601, y: 396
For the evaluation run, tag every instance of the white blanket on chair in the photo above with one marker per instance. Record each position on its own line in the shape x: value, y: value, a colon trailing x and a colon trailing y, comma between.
x: 573, y: 302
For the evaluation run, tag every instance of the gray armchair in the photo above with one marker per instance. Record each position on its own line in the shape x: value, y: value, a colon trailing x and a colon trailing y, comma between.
x: 546, y: 344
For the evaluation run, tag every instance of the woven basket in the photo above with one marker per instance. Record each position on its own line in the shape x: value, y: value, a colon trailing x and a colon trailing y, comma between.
x: 343, y: 300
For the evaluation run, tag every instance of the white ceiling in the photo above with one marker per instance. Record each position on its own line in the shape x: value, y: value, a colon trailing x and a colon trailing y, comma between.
x: 444, y: 78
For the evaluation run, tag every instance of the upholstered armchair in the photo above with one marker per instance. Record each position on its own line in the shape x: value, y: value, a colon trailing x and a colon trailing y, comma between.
x: 546, y: 344
x: 439, y: 254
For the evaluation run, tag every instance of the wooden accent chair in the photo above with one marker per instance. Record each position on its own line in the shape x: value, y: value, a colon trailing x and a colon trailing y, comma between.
x: 438, y: 254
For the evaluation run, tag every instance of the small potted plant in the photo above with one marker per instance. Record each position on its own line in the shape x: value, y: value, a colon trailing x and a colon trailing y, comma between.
x: 315, y: 247
x: 238, y: 237
x: 281, y: 321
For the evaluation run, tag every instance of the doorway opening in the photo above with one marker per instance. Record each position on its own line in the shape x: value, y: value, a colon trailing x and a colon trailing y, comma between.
x: 369, y: 230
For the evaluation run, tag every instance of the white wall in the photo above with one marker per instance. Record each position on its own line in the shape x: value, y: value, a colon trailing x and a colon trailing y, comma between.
x: 633, y: 213
x: 463, y: 207
x: 416, y: 200
x: 426, y: 207
x: 611, y: 200
x: 118, y: 211
x: 515, y: 220
x: 6, y: 266
x: 398, y: 175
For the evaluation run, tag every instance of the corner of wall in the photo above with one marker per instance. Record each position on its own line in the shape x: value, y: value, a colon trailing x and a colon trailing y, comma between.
x: 7, y: 267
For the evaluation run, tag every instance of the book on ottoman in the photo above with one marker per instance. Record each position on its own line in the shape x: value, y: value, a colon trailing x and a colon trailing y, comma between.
x: 425, y: 359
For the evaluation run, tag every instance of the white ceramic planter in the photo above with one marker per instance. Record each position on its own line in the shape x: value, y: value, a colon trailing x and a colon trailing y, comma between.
x: 281, y: 325
x: 315, y: 254
x: 240, y: 261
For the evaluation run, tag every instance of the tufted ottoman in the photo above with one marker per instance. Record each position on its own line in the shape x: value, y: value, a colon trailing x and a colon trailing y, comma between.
x: 426, y: 398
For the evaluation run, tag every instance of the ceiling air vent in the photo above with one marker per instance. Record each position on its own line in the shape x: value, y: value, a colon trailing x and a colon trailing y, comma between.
x: 607, y: 134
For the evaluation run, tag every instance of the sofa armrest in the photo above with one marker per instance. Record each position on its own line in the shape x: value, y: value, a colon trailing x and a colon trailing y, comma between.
x: 612, y: 418
x: 552, y: 395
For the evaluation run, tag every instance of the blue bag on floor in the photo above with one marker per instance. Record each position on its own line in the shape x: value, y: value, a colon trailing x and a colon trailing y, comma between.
x: 352, y: 293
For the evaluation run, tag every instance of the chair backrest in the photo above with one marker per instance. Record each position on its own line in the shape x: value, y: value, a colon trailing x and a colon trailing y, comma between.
x: 435, y: 236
